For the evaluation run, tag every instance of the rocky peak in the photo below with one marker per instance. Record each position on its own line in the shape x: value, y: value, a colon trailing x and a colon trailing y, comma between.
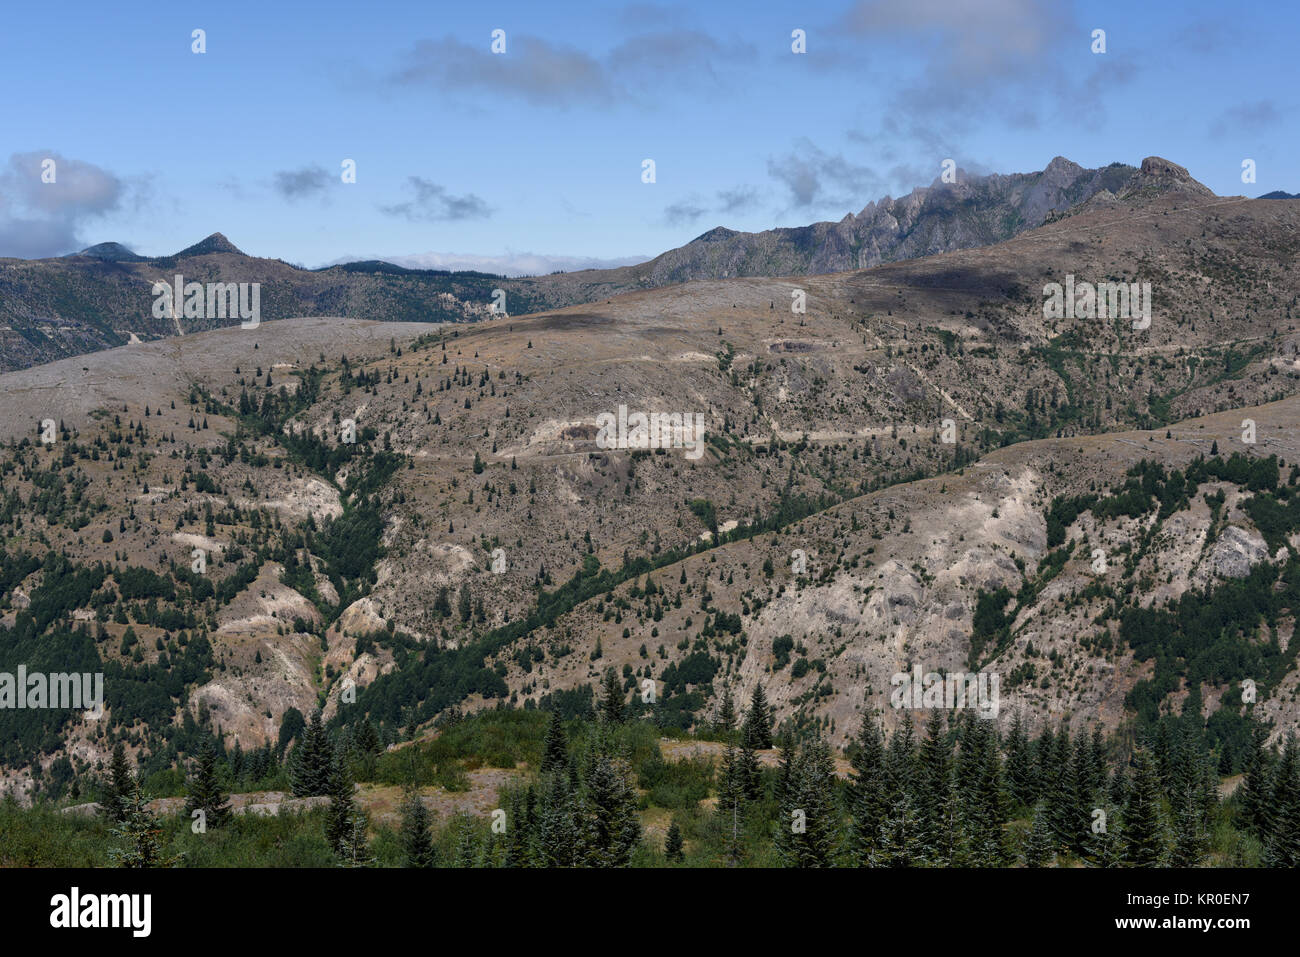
x: 1159, y: 175
x: 216, y: 243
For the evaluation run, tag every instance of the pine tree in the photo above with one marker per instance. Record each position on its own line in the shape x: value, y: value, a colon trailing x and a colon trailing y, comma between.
x: 1282, y: 839
x: 1190, y: 838
x: 312, y: 757
x: 1255, y: 785
x: 1107, y: 847
x: 1118, y: 788
x: 867, y: 799
x: 367, y: 746
x: 464, y: 605
x: 673, y: 845
x: 750, y: 772
x: 137, y: 833
x: 523, y: 829
x: 559, y: 837
x: 933, y: 789
x: 898, y: 834
x: 1040, y: 845
x: 899, y: 830
x: 353, y: 849
x: 417, y: 837
x: 984, y: 810
x: 808, y: 835
x: 1163, y: 752
x: 613, y: 705
x: 726, y: 720
x: 1097, y: 763
x: 1143, y: 830
x: 614, y: 825
x: 119, y: 785
x: 1061, y: 791
x: 757, y: 731
x: 555, y: 750
x: 466, y: 842
x: 342, y: 807
x: 731, y: 796
x: 1083, y: 800
x: 1184, y: 769
x: 205, y: 792
x: 1021, y: 781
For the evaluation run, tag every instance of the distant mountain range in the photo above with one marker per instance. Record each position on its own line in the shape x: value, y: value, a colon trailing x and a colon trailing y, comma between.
x: 102, y: 296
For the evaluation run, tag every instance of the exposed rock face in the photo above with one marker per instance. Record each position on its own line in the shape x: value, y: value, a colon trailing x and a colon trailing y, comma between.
x: 1158, y: 176
x: 1236, y: 551
x: 973, y: 211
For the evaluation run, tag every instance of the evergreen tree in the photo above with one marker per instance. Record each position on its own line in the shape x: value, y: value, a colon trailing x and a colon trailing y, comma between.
x: 808, y: 835
x: 751, y: 774
x: 517, y: 837
x: 353, y: 849
x: 1021, y: 781
x: 137, y: 833
x: 933, y: 790
x: 205, y: 792
x: 1040, y: 845
x: 1143, y: 831
x: 291, y: 726
x: 1118, y: 788
x: 899, y: 832
x: 614, y: 825
x: 1185, y: 768
x: 417, y: 836
x: 757, y: 731
x: 726, y: 720
x: 464, y: 606
x: 1162, y: 749
x: 310, y: 772
x: 236, y: 762
x: 1107, y: 848
x: 613, y: 705
x: 984, y: 809
x: 673, y: 845
x: 1190, y: 838
x: 555, y: 750
x: 366, y: 747
x: 1255, y: 786
x: 1061, y: 790
x: 466, y: 842
x: 119, y: 785
x: 1083, y: 799
x: 342, y: 806
x: 731, y: 796
x: 1282, y: 839
x: 1097, y: 763
x: 559, y: 836
x: 866, y: 792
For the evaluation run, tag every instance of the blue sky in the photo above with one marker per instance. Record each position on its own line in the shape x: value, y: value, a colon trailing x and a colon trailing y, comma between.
x: 539, y: 150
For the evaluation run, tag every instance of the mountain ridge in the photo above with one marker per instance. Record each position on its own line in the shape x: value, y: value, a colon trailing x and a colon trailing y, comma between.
x: 102, y: 297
